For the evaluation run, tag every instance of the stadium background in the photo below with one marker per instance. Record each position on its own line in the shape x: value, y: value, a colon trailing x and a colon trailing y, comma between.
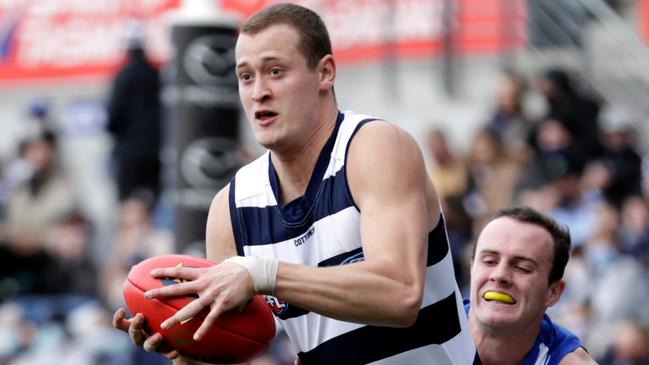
x: 435, y: 67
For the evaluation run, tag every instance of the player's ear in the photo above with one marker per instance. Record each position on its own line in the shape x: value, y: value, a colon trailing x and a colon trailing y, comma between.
x: 326, y: 72
x: 554, y: 293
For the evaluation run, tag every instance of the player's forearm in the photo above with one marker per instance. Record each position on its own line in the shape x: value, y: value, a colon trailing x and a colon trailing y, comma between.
x: 362, y: 292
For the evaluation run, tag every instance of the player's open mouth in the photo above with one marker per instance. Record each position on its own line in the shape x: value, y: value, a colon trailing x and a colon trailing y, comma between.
x: 494, y: 296
x: 264, y: 115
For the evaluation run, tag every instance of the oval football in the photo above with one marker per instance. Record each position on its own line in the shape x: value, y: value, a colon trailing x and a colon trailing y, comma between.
x: 237, y: 336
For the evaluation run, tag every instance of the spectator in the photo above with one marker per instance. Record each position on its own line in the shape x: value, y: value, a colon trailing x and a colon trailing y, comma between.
x: 621, y: 159
x: 69, y: 246
x: 35, y: 205
x: 554, y: 153
x: 508, y: 120
x: 134, y: 120
x: 634, y: 230
x: 137, y: 238
x: 630, y: 345
x: 645, y: 177
x: 616, y: 282
x: 69, y: 277
x: 447, y: 170
x: 19, y: 169
x: 577, y: 111
x: 575, y: 209
x: 492, y: 177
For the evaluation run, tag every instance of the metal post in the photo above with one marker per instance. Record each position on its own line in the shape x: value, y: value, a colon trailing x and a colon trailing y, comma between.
x: 202, y: 102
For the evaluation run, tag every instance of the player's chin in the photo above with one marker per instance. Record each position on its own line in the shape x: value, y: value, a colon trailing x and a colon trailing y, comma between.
x: 267, y: 140
x: 498, y: 320
x: 497, y: 312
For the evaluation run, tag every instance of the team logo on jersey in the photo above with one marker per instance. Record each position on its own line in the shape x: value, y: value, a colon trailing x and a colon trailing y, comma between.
x: 278, y: 307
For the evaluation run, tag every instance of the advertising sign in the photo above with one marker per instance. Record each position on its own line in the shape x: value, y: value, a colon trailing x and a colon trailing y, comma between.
x: 41, y: 40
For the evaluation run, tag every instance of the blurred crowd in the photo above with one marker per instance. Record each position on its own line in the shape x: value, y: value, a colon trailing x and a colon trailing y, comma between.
x: 580, y: 162
x: 57, y: 297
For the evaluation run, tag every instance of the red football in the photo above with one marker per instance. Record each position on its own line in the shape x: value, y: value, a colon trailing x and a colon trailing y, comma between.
x: 237, y: 336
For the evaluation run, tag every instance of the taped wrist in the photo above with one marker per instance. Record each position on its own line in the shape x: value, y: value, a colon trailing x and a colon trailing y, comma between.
x: 262, y: 270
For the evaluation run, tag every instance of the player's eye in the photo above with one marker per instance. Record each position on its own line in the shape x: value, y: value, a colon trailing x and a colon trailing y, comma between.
x: 522, y: 269
x: 489, y: 261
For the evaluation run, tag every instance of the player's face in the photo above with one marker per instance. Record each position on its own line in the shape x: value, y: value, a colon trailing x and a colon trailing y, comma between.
x: 278, y: 91
x: 509, y: 275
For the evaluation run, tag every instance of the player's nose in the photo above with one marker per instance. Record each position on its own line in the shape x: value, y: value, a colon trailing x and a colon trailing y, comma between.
x: 260, y: 90
x: 501, y: 273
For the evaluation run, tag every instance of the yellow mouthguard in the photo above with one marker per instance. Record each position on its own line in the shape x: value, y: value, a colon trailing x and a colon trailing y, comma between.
x: 500, y: 297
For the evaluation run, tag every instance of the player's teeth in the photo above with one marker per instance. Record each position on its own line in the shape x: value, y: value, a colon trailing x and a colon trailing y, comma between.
x: 499, y: 297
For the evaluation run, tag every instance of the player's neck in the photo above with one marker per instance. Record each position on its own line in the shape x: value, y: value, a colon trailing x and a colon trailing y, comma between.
x: 498, y: 348
x: 294, y: 167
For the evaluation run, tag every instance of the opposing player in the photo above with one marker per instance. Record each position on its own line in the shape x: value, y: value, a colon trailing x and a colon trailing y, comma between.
x: 516, y: 272
x: 339, y: 224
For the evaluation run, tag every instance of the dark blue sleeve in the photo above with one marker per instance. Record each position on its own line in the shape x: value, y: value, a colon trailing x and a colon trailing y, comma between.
x: 564, y: 342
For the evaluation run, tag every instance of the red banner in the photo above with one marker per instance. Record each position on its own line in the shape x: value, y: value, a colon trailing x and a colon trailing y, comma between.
x: 491, y: 26
x: 643, y: 19
x: 364, y: 30
x: 54, y: 39
x: 42, y: 40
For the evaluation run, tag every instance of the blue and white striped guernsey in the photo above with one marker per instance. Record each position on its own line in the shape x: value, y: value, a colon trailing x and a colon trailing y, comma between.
x: 321, y: 228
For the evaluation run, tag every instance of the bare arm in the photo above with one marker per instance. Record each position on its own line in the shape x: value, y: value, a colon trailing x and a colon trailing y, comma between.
x: 219, y: 238
x: 578, y: 357
x: 398, y: 208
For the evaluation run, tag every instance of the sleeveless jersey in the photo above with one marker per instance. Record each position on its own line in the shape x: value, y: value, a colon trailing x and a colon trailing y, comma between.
x: 552, y: 344
x: 322, y: 228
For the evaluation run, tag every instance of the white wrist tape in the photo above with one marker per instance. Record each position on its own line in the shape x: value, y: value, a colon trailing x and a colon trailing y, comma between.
x: 262, y: 270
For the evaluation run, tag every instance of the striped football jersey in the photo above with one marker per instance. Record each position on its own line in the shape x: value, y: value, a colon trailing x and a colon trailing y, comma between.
x: 322, y: 228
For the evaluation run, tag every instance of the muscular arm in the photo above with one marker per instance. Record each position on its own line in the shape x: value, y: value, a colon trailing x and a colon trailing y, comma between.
x: 578, y: 357
x: 219, y: 237
x: 398, y: 208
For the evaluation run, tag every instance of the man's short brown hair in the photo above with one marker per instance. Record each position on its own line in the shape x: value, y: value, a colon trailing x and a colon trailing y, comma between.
x: 314, y: 37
